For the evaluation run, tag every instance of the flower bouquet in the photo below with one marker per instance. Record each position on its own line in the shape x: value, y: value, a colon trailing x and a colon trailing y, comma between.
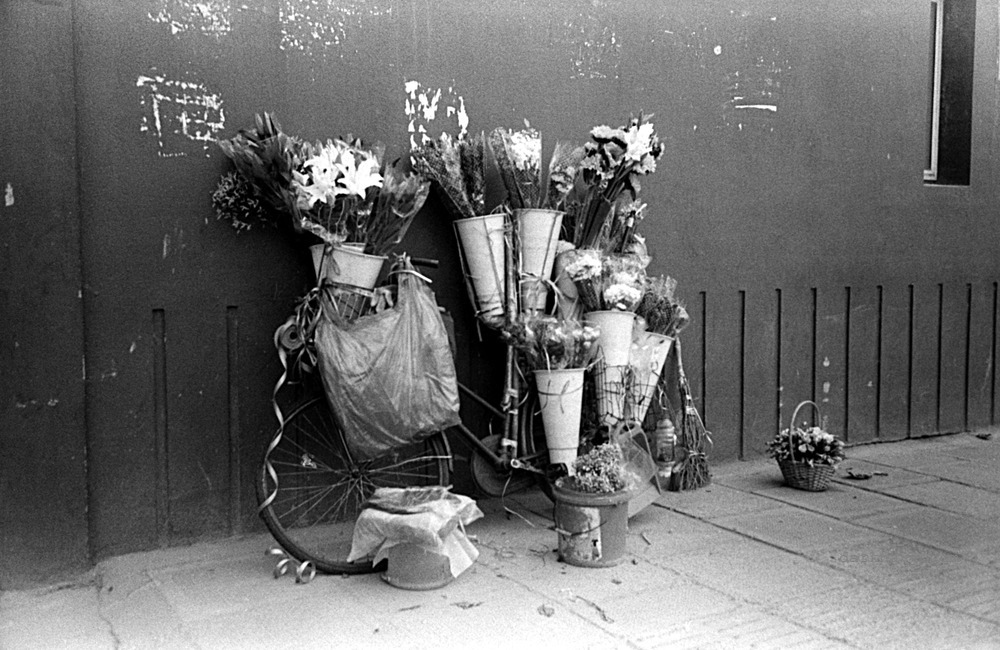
x: 807, y: 456
x: 607, y: 184
x: 457, y: 168
x: 260, y: 190
x: 558, y: 352
x: 536, y: 201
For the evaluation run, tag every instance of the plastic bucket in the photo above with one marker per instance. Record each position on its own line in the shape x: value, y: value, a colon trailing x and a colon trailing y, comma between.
x: 482, y: 241
x: 593, y: 528
x: 416, y: 568
x: 346, y: 265
x: 538, y: 232
x: 560, y: 396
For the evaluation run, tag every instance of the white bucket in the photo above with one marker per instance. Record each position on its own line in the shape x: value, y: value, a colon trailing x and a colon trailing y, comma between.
x: 482, y: 241
x: 615, y: 339
x: 560, y: 396
x: 346, y: 265
x: 538, y: 231
x: 649, y: 353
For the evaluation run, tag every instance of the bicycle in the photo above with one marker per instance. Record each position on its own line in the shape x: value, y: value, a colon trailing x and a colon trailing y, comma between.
x: 310, y: 487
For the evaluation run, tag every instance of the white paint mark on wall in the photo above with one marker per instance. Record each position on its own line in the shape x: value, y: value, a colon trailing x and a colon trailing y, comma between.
x: 208, y: 17
x: 319, y: 26
x: 422, y: 107
x: 763, y: 107
x: 182, y: 115
x: 593, y: 41
x: 166, y: 245
x: 8, y: 196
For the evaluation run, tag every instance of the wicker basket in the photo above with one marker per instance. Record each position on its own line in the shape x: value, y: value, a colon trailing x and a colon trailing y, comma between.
x: 802, y: 475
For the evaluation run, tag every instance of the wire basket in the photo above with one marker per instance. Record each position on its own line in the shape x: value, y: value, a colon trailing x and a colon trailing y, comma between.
x: 800, y: 474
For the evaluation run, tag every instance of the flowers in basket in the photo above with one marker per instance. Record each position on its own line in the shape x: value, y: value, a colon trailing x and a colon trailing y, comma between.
x: 807, y: 456
x: 549, y: 343
x: 602, y: 470
x: 809, y: 445
x: 600, y: 207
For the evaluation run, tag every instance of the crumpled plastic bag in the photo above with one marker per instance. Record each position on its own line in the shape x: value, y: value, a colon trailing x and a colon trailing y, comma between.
x: 432, y: 518
x: 390, y: 377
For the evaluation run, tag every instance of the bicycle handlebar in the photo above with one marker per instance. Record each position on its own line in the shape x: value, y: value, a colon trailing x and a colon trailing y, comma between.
x: 425, y: 261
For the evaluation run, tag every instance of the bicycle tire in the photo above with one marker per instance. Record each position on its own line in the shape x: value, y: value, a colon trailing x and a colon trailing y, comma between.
x: 310, y: 496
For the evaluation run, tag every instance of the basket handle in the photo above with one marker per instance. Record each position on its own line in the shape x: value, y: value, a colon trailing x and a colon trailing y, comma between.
x: 791, y: 426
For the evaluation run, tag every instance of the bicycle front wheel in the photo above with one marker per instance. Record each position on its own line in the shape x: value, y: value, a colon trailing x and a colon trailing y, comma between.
x: 311, y: 495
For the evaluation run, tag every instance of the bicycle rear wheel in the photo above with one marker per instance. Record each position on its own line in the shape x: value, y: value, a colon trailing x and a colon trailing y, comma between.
x: 310, y: 494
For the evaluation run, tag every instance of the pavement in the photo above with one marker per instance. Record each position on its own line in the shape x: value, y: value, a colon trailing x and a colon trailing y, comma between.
x: 906, y: 555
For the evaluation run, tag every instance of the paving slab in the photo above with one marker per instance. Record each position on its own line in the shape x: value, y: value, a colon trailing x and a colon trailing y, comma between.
x: 954, y: 497
x: 948, y: 531
x: 908, y: 559
x: 796, y: 529
x: 841, y: 501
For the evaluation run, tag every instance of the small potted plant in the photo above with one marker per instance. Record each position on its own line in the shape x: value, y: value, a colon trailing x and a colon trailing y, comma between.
x: 808, y: 456
x: 591, y: 507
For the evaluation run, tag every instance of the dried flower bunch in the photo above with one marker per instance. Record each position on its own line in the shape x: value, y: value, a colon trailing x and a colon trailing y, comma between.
x: 812, y: 445
x: 548, y: 343
x: 235, y: 201
x: 601, y: 470
x: 659, y: 307
x: 518, y: 154
x: 608, y: 175
x: 458, y: 169
x: 607, y: 281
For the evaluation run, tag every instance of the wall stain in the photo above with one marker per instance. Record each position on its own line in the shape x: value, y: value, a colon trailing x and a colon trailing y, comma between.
x: 206, y: 17
x: 318, y: 27
x: 182, y: 115
x: 424, y: 105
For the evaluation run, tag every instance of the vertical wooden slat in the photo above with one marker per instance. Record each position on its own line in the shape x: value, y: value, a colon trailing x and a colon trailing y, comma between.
x: 955, y: 303
x: 723, y: 327
x: 160, y: 427
x: 797, y: 347
x: 760, y: 412
x: 981, y: 371
x: 831, y: 357
x: 862, y: 364
x: 894, y: 347
x: 693, y: 352
x: 924, y: 359
x: 232, y: 370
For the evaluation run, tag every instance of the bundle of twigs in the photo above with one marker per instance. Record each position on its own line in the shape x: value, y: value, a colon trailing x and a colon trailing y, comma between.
x: 691, y: 471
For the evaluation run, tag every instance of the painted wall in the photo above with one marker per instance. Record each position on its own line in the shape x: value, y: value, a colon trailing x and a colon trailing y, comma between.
x: 790, y: 206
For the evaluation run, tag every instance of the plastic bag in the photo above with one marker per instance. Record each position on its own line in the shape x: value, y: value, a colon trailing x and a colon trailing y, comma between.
x: 431, y: 518
x: 390, y: 377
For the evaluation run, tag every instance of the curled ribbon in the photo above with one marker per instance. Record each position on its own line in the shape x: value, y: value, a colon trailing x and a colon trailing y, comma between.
x: 304, y: 571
